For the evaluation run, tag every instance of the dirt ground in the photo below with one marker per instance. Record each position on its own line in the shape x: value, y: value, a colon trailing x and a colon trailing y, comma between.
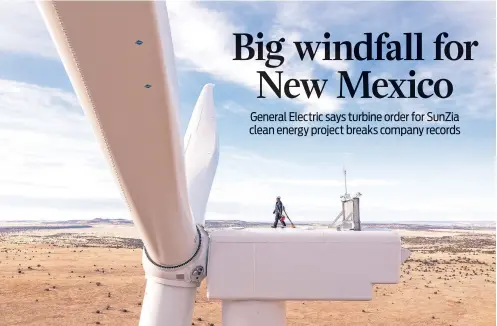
x: 76, y: 279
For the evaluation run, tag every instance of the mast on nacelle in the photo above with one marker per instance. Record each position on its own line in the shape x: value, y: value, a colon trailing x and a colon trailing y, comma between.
x: 345, y: 179
x: 346, y: 196
x: 350, y: 213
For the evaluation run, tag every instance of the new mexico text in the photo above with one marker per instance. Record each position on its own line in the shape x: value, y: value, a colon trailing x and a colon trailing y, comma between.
x: 377, y: 88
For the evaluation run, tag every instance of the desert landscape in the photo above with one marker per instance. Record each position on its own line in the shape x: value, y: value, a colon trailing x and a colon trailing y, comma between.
x: 91, y: 274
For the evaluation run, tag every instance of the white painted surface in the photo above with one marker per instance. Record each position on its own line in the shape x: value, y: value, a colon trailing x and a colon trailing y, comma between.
x: 136, y: 126
x: 167, y: 305
x: 201, y: 153
x: 190, y: 274
x: 250, y: 313
x: 293, y: 264
x: 404, y: 255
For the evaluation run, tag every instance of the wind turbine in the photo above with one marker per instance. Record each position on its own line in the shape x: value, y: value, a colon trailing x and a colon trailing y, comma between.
x: 120, y: 60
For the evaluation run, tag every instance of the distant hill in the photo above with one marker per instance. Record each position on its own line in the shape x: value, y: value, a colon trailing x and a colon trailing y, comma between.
x: 216, y: 224
x: 112, y: 221
x: 24, y: 228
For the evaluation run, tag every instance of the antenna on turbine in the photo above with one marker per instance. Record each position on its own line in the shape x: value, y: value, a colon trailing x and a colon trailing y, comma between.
x: 346, y: 196
x: 345, y: 178
x: 345, y: 181
x: 350, y: 214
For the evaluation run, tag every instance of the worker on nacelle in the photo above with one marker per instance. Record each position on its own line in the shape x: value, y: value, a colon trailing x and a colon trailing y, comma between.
x: 278, y: 213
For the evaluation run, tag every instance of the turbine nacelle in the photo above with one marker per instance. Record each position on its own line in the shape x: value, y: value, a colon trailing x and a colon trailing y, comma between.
x: 293, y: 264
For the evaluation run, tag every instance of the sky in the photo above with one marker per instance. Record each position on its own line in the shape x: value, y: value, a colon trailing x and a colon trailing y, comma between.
x: 51, y: 167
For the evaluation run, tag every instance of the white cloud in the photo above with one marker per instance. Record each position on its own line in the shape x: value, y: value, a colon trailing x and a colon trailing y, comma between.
x: 334, y: 182
x: 53, y: 168
x: 474, y: 82
x: 213, y: 52
x: 298, y: 22
x: 234, y: 108
x: 50, y: 160
x: 247, y: 183
x: 22, y: 30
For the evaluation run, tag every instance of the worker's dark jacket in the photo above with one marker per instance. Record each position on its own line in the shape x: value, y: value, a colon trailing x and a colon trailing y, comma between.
x: 278, y: 208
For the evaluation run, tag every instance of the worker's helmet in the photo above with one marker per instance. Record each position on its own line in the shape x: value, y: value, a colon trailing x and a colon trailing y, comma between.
x: 278, y: 197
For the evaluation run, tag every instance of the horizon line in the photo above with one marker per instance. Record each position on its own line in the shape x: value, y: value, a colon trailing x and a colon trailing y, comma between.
x: 264, y: 221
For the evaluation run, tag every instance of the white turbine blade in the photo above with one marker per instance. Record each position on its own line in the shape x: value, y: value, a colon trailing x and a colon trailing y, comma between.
x: 201, y: 153
x: 120, y: 61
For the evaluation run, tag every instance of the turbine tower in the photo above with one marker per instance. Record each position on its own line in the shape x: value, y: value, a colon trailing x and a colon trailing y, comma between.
x: 120, y: 60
